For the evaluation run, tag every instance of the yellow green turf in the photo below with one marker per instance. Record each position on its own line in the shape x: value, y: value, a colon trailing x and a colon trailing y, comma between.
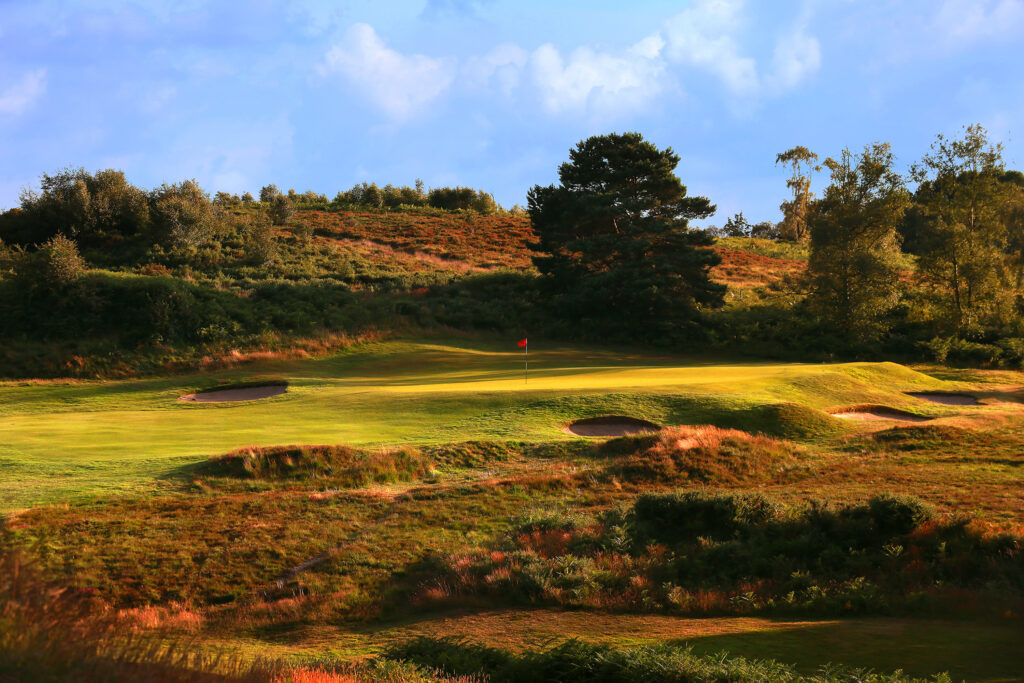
x: 68, y: 441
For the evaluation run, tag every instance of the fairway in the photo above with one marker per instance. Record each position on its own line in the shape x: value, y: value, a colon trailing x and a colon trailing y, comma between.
x: 71, y: 441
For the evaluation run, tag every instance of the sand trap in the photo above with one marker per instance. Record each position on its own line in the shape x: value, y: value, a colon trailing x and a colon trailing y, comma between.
x: 870, y: 414
x: 945, y: 399
x: 229, y: 394
x: 610, y: 425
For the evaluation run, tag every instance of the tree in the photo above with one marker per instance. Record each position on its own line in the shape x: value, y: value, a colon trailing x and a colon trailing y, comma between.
x: 617, y: 250
x: 268, y: 192
x: 182, y: 215
x: 737, y: 226
x: 96, y: 209
x: 854, y: 256
x: 281, y: 209
x: 1013, y: 218
x: 962, y: 235
x: 48, y: 270
x: 801, y: 162
x: 766, y: 230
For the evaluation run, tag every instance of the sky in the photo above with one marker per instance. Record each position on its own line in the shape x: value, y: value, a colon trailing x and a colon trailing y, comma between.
x: 492, y: 94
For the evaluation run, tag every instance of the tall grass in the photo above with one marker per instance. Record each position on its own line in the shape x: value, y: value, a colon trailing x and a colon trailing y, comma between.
x: 50, y: 633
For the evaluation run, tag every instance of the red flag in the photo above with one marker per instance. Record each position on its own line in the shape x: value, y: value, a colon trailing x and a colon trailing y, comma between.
x: 522, y: 342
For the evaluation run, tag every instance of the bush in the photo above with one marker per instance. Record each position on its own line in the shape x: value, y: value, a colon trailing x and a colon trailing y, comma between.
x: 895, y: 515
x: 52, y: 267
x: 964, y: 353
x: 280, y: 210
x: 696, y: 553
x: 182, y: 215
x: 675, y: 517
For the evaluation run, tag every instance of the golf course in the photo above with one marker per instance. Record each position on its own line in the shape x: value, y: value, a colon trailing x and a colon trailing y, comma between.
x: 71, y: 441
x: 124, y: 487
x: 409, y: 435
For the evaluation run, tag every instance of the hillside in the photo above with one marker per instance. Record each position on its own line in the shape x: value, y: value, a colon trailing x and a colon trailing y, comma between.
x: 467, y: 241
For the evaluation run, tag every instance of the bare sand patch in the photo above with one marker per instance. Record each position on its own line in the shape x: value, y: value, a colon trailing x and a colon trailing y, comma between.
x: 610, y: 425
x: 945, y: 399
x: 878, y: 414
x: 237, y: 393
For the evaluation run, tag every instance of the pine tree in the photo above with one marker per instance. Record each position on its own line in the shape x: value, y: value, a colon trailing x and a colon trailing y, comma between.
x: 618, y: 252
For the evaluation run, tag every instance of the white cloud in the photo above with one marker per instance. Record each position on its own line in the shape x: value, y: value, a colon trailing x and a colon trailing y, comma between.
x: 704, y: 36
x: 18, y: 97
x: 797, y: 56
x: 501, y: 67
x: 707, y: 36
x: 397, y: 84
x: 598, y: 82
x: 970, y: 20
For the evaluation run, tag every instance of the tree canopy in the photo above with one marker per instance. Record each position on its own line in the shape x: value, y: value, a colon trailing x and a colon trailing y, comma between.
x: 854, y: 256
x: 616, y: 245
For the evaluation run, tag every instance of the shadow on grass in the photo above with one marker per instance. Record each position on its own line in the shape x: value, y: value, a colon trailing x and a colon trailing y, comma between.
x: 966, y: 650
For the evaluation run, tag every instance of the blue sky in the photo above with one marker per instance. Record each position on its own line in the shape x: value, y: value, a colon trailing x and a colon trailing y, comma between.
x: 492, y: 94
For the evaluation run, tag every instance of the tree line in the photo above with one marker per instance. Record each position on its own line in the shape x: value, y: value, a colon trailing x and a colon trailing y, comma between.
x: 961, y: 229
x: 932, y: 262
x: 370, y: 196
x: 925, y: 265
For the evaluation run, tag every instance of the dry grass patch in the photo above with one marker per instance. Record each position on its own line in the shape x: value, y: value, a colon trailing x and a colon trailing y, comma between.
x: 708, y: 454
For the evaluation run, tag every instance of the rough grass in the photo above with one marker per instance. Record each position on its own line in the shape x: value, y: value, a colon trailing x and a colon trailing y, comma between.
x: 709, y: 455
x: 342, y: 465
x: 693, y: 552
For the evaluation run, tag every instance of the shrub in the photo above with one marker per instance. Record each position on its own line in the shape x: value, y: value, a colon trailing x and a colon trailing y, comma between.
x: 676, y: 517
x: 699, y: 554
x: 894, y: 515
x: 182, y: 215
x: 52, y: 267
x: 280, y: 210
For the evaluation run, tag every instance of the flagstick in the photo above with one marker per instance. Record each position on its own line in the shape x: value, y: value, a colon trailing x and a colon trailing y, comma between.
x: 526, y: 363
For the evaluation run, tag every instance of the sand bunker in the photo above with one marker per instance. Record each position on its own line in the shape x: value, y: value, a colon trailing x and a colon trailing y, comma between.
x: 877, y: 414
x: 945, y: 399
x: 610, y: 425
x: 250, y: 392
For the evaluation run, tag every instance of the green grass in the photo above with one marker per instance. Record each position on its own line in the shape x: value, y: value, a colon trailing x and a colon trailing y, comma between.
x: 71, y: 441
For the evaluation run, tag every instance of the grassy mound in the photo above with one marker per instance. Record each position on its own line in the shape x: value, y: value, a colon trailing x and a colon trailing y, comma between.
x: 350, y: 466
x: 343, y: 465
x: 922, y: 437
x: 784, y: 420
x: 706, y: 454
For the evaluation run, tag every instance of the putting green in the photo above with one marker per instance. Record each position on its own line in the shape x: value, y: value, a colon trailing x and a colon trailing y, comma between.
x: 69, y: 441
